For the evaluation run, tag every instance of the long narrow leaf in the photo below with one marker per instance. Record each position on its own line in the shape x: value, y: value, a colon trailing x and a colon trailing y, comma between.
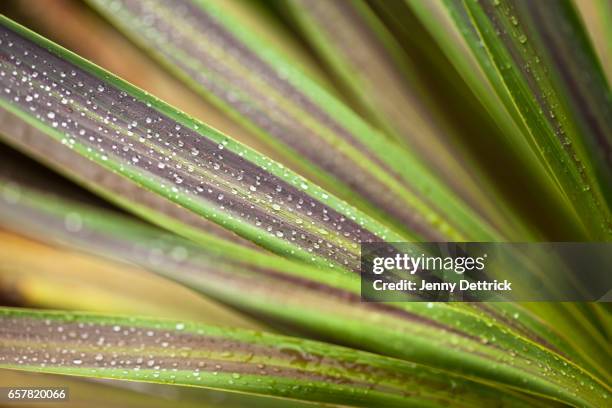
x: 184, y: 353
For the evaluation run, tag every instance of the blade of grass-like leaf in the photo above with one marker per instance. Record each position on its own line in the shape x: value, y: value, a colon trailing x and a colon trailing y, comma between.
x: 207, y: 46
x: 184, y: 353
x: 490, y: 343
x: 112, y: 136
x: 555, y: 84
x: 583, y: 91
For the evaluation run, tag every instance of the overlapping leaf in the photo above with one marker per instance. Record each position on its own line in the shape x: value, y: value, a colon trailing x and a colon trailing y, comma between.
x: 504, y: 344
x: 207, y: 45
x: 186, y: 353
x: 125, y: 145
x: 145, y: 156
x: 382, y: 81
x: 454, y: 44
x: 544, y: 72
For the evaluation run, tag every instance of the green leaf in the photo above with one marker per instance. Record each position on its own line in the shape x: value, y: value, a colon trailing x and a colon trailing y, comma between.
x: 184, y: 353
x: 500, y: 343
x: 207, y: 45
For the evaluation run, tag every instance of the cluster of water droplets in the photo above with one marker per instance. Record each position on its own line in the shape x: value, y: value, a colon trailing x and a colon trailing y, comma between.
x: 257, y: 90
x: 117, y: 350
x: 212, y: 175
x: 178, y: 353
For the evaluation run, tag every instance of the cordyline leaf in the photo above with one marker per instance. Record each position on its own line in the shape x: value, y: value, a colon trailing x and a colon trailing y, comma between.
x: 184, y: 353
x: 500, y: 343
x: 212, y: 51
x: 544, y: 66
x: 371, y: 65
x: 139, y: 153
